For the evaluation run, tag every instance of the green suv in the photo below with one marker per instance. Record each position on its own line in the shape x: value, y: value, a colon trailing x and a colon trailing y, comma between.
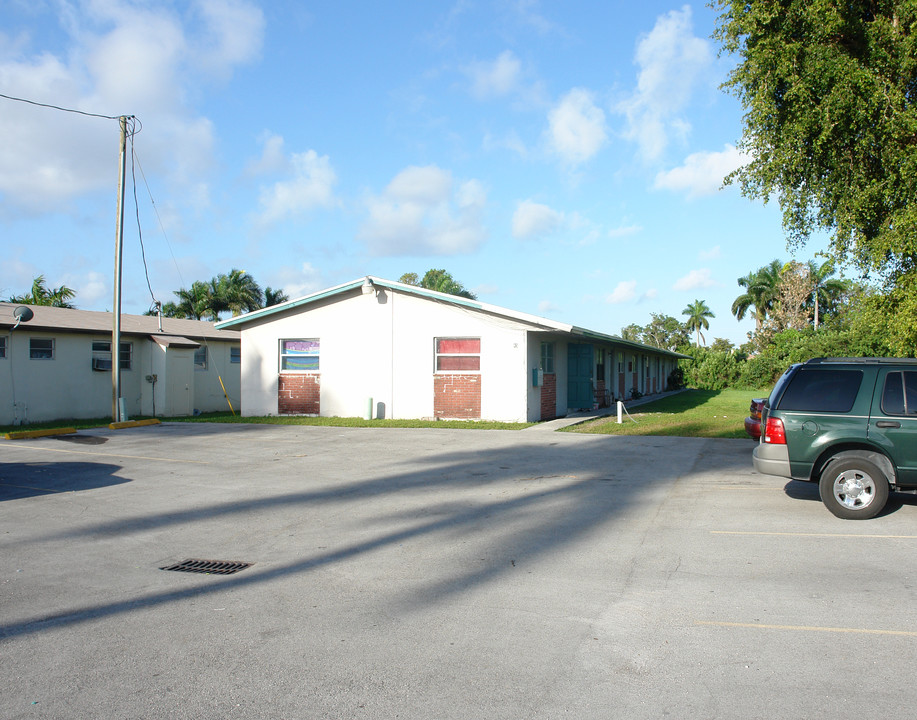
x: 849, y: 424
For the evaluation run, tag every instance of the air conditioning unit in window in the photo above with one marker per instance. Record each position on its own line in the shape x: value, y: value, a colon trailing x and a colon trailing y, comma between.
x: 101, y: 365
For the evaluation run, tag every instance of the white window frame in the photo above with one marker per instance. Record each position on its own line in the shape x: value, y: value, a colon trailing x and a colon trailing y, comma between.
x: 437, y: 355
x: 2, y: 347
x: 101, y: 356
x: 235, y: 355
x: 32, y: 356
x: 282, y: 356
x: 547, y: 358
x: 202, y: 351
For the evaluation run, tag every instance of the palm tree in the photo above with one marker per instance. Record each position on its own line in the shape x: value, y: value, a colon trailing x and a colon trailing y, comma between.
x: 762, y: 288
x: 825, y: 289
x: 237, y: 292
x: 274, y: 297
x: 697, y: 313
x: 41, y: 295
x: 196, y: 302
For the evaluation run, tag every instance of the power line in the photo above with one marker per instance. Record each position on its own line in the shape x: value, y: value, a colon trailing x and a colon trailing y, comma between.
x: 58, y: 107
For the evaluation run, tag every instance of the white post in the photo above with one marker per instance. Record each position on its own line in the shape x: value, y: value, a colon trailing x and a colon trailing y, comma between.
x: 620, y: 412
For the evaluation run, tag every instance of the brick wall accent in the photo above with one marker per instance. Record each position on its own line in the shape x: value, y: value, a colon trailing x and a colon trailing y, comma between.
x: 600, y: 393
x: 549, y: 397
x: 299, y: 395
x: 457, y: 396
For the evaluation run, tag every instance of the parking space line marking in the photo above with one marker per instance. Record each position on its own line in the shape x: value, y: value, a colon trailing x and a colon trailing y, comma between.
x: 825, y: 535
x: 108, y: 455
x: 807, y: 628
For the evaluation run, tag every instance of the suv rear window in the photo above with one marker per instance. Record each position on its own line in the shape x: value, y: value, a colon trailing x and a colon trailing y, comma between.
x: 899, y: 397
x: 822, y: 390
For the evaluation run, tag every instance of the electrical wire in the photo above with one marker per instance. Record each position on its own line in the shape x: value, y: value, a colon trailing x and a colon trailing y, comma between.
x: 158, y: 216
x: 146, y: 270
x: 58, y: 107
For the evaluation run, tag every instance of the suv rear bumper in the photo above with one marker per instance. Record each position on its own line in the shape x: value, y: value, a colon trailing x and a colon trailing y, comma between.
x: 772, y: 460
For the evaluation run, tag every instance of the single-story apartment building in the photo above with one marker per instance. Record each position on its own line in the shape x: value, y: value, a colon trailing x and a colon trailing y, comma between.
x: 383, y: 349
x: 57, y: 365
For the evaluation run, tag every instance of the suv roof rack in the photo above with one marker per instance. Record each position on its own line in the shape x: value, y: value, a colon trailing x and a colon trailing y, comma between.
x: 861, y: 360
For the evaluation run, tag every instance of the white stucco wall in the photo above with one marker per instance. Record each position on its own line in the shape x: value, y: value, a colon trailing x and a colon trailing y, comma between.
x: 67, y: 386
x: 381, y: 346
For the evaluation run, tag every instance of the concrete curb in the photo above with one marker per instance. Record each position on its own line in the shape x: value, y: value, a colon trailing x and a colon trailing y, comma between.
x: 132, y: 424
x: 25, y: 434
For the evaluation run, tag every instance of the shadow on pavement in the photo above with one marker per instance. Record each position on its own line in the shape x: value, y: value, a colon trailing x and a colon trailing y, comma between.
x: 22, y: 480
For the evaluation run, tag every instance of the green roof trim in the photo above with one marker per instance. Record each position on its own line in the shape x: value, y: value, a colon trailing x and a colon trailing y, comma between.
x: 525, y: 318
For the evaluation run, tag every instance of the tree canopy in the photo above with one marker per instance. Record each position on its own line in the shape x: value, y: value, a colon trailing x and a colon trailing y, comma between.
x: 40, y: 294
x: 829, y: 91
x: 438, y: 280
x: 235, y: 292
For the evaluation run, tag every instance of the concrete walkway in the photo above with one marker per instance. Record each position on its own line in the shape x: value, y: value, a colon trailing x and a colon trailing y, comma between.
x: 586, y: 415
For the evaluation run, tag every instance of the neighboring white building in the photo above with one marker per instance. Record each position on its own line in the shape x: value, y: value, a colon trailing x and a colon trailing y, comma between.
x: 58, y: 365
x: 385, y: 349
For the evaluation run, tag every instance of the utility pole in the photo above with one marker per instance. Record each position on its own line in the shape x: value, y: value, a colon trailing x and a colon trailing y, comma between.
x: 116, y: 307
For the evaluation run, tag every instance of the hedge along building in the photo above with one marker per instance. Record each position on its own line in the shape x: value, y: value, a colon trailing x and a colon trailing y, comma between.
x: 57, y: 365
x: 383, y: 349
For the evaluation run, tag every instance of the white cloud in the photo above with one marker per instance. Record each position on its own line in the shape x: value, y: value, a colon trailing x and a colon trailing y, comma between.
x: 695, y: 280
x: 532, y: 219
x: 670, y: 59
x: 118, y: 57
x: 624, y: 231
x: 422, y: 213
x: 576, y: 127
x: 273, y: 159
x: 233, y: 33
x: 546, y: 307
x: 494, y: 79
x: 711, y: 254
x: 297, y: 282
x: 309, y: 187
x: 624, y: 291
x: 702, y: 173
x: 90, y: 289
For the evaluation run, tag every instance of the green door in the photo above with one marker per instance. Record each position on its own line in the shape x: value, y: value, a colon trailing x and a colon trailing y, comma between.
x: 579, y: 376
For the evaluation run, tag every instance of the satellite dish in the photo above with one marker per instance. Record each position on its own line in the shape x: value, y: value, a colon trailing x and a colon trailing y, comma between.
x: 23, y: 314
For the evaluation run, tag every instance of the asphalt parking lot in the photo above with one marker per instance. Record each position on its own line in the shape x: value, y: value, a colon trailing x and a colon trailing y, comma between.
x: 440, y: 574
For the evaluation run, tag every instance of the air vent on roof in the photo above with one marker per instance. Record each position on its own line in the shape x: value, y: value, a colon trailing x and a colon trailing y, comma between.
x: 208, y: 567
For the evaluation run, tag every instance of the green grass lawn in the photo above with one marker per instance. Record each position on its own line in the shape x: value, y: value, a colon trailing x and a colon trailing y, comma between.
x: 693, y: 413
x: 225, y: 417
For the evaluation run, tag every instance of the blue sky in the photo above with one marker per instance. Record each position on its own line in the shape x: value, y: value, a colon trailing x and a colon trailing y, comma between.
x: 558, y: 158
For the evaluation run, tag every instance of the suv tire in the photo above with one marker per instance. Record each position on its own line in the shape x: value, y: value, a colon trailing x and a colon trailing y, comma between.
x: 853, y: 488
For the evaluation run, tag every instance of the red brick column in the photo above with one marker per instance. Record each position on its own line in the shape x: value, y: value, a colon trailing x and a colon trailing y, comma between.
x: 457, y: 396
x: 299, y: 395
x: 549, y: 397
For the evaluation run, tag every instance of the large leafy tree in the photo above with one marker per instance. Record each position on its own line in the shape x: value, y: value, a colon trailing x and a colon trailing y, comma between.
x: 666, y: 332
x: 829, y: 91
x: 697, y: 313
x: 40, y: 294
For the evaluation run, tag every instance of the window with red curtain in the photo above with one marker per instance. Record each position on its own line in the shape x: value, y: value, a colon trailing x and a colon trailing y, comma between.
x: 458, y: 355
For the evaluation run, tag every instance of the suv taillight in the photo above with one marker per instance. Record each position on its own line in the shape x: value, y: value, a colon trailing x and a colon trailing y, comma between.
x: 774, y: 432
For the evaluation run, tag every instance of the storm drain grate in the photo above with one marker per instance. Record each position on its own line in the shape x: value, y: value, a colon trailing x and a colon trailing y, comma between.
x: 208, y: 567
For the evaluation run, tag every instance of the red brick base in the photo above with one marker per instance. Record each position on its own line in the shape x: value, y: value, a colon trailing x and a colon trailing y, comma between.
x: 299, y: 395
x: 549, y: 397
x: 457, y: 396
